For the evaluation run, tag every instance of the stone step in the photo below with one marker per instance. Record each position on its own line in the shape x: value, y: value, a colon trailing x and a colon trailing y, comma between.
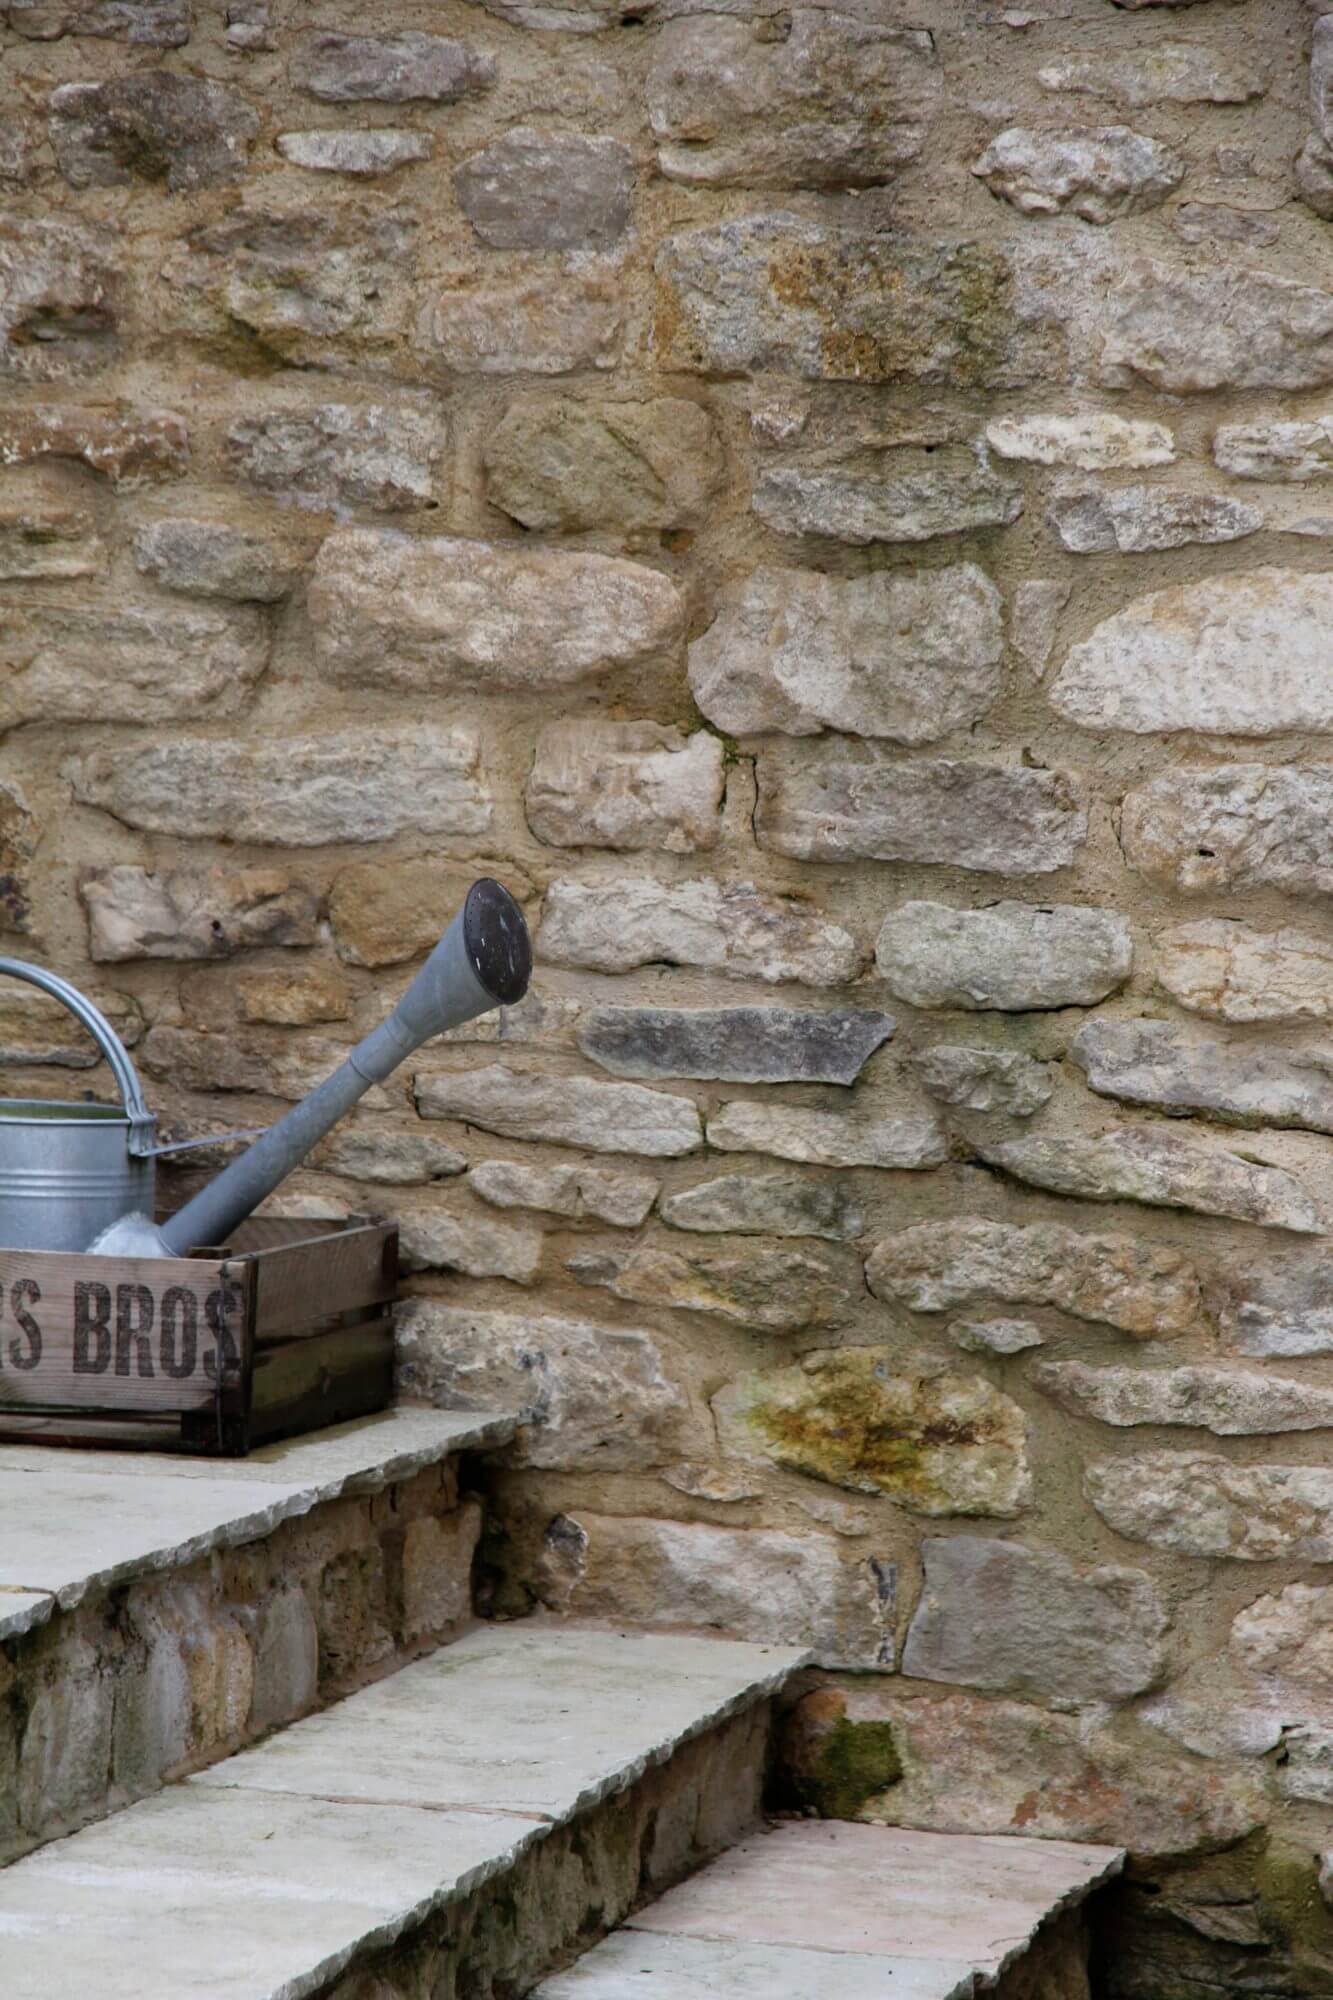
x: 160, y: 1612
x: 850, y: 1912
x: 474, y: 1817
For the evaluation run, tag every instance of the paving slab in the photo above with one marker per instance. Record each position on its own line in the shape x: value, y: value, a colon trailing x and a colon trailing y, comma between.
x: 537, y: 1717
x: 631, y: 1963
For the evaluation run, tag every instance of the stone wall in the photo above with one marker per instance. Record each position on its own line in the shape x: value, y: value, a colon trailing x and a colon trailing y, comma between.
x: 828, y: 503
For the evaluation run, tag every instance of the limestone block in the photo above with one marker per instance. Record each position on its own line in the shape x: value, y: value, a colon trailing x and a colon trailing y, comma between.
x: 1167, y: 73
x: 1181, y: 1071
x: 1234, y: 826
x: 625, y: 785
x: 767, y: 1205
x: 367, y: 154
x: 589, y: 1397
x: 1142, y: 1289
x: 1283, y: 1308
x: 533, y: 190
x: 1215, y: 222
x: 996, y: 1336
x: 1139, y: 520
x: 569, y: 1110
x: 18, y: 841
x: 1028, y: 1622
x: 417, y: 613
x: 294, y: 999
x: 1190, y: 328
x: 527, y: 316
x: 975, y: 1079
x: 1147, y: 1164
x: 59, y: 287
x: 907, y: 494
x: 286, y: 1659
x: 735, y: 1044
x: 35, y: 1028
x: 841, y: 800
x: 1230, y: 1402
x: 129, y: 446
x: 837, y: 102
x: 1243, y: 655
x: 1094, y: 441
x: 583, y: 1194
x: 758, y: 1584
x: 635, y: 466
x: 911, y: 655
x: 128, y: 663
x: 1010, y: 956
x: 1193, y: 1503
x: 1096, y: 173
x: 155, y: 125
x: 389, y: 69
x: 386, y: 913
x: 437, y: 1572
x: 864, y: 1138
x: 388, y: 1156
x: 353, y: 1615
x: 306, y: 791
x: 191, y: 913
x: 385, y: 456
x: 1287, y: 1638
x: 44, y: 541
x: 433, y: 1239
x: 65, y: 1754
x: 215, y: 559
x: 763, y: 1285
x: 1286, y: 451
x: 159, y: 24
x: 726, y: 927
x: 1034, y: 621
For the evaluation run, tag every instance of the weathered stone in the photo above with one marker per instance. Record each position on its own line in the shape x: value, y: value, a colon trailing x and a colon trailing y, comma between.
x: 16, y: 153
x: 1140, y: 1163
x: 389, y: 69
x: 193, y: 913
x: 437, y: 1572
x: 1191, y: 328
x: 1011, y: 956
x: 294, y: 997
x: 416, y: 613
x: 984, y: 1079
x: 910, y: 655
x: 1097, y: 173
x: 128, y: 446
x: 566, y: 1111
x: 1230, y: 1402
x: 766, y: 1205
x: 726, y: 927
x: 45, y: 541
x: 902, y: 495
x: 18, y: 842
x: 1241, y: 655
x: 1307, y: 1768
x: 1136, y: 520
x: 841, y: 800
x: 36, y: 1029
x: 753, y: 1583
x: 1288, y: 1638
x: 837, y: 102
x: 1199, y: 1505
x: 1034, y: 621
x: 830, y: 1138
x: 996, y: 1336
x: 1203, y: 1724
x: 584, y: 1194
x: 381, y: 455
x: 128, y: 663
x: 215, y: 559
x: 735, y: 1044
x: 367, y: 154
x: 1143, y: 1289
x: 1028, y: 1622
x: 1175, y: 1068
x: 588, y: 1397
x: 709, y: 1482
x: 763, y: 1286
x: 58, y: 300
x: 158, y: 24
x: 1094, y: 441
x: 153, y: 126
x: 935, y: 1444
x: 1288, y: 451
x: 385, y: 914
x: 528, y: 318
x: 541, y: 1020
x: 288, y: 1067
x: 1283, y: 1308
x: 1314, y: 176
x: 1215, y: 222
x: 640, y: 466
x: 1168, y: 73
x: 1234, y: 826
x: 389, y: 1157
x: 304, y: 791
x: 534, y: 190
x: 432, y: 1239
x: 625, y: 785
x: 1231, y: 972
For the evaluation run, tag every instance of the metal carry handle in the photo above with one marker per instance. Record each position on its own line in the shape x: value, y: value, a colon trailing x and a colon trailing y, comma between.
x: 108, y: 1041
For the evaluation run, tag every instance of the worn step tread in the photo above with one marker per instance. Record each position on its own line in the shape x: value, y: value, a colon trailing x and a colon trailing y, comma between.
x: 848, y: 1911
x: 262, y: 1878
x: 78, y: 1522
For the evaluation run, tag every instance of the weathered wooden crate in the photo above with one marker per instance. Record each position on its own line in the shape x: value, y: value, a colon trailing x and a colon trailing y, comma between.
x: 287, y: 1328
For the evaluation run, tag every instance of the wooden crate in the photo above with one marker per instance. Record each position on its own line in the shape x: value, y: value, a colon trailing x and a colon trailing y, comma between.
x: 286, y: 1329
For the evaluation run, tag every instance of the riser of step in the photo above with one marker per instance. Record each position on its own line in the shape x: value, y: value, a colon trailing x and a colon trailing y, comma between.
x: 204, y: 1605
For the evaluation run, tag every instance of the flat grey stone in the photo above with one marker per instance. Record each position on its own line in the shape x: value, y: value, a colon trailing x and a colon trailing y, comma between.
x: 689, y: 1968
x: 735, y: 1044
x: 767, y: 1205
x: 1002, y: 1080
x: 904, y: 495
x: 1010, y: 956
x: 1162, y: 1169
x: 1240, y: 1083
x: 532, y: 190
x: 1229, y: 1402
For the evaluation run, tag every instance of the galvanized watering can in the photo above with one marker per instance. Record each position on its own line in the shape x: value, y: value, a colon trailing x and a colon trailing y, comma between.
x: 80, y: 1176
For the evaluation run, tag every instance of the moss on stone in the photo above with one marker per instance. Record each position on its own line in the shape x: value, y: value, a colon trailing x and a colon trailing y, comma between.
x: 841, y: 1763
x: 1288, y: 1880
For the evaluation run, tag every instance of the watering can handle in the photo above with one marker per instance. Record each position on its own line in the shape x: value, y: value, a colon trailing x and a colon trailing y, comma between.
x: 108, y: 1041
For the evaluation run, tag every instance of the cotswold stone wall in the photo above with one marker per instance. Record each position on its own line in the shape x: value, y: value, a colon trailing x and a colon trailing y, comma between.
x: 829, y: 503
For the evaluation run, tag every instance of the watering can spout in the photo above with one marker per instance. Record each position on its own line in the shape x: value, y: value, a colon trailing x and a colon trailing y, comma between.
x: 484, y: 960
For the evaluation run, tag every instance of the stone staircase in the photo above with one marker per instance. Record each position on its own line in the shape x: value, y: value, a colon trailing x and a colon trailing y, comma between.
x: 256, y: 1748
